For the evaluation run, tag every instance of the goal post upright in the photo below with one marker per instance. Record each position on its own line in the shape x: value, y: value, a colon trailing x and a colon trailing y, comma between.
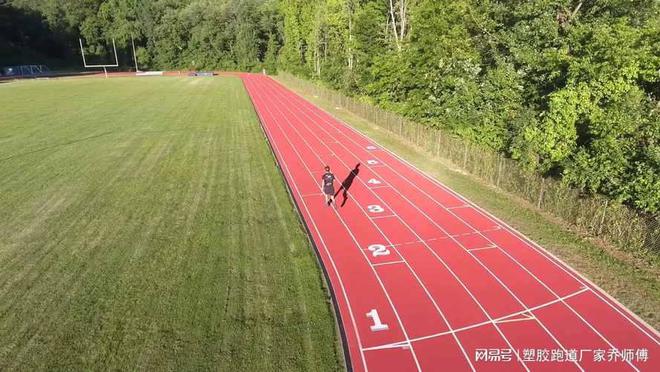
x: 104, y: 66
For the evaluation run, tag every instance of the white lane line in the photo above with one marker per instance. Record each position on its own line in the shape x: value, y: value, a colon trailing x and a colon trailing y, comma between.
x: 488, y: 322
x: 410, y: 268
x: 310, y: 195
x: 599, y: 292
x: 481, y: 249
x: 458, y: 207
x: 318, y: 233
x: 352, y: 236
x: 376, y: 226
x: 379, y: 217
x: 388, y: 263
x: 479, y: 261
x: 448, y: 268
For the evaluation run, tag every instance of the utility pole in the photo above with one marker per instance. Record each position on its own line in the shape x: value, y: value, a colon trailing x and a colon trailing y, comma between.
x: 134, y: 56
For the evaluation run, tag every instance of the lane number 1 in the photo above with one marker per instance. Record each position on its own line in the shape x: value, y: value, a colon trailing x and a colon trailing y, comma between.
x: 378, y: 325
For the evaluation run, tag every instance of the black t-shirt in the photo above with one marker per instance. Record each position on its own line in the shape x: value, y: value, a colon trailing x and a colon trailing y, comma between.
x: 328, y: 179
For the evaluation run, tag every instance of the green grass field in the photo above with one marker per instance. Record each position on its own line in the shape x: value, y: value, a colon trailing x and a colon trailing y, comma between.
x: 143, y: 225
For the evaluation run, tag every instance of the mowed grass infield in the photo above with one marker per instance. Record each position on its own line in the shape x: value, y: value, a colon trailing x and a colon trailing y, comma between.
x: 144, y: 225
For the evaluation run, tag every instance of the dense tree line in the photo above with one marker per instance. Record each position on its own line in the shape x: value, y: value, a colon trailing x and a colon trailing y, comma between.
x: 168, y: 34
x: 569, y: 88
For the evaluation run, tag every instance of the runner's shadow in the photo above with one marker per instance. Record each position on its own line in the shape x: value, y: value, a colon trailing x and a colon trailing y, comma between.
x: 346, y: 183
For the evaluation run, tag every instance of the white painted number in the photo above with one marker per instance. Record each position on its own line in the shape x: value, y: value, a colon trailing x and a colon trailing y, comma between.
x: 378, y: 325
x: 371, y: 147
x: 374, y: 181
x: 378, y: 250
x: 372, y: 162
x: 375, y: 209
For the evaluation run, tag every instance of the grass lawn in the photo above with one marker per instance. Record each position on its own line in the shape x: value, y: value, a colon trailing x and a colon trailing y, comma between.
x: 634, y: 282
x: 143, y: 225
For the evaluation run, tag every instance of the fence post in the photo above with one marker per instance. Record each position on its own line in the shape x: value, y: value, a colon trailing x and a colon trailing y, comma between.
x: 500, y: 160
x: 538, y: 204
x: 465, y: 155
x: 602, y: 218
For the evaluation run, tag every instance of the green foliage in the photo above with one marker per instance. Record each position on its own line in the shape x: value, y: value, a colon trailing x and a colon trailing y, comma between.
x: 568, y: 88
x: 169, y: 34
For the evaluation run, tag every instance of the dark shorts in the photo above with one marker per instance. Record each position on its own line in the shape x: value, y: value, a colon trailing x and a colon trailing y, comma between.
x: 329, y: 190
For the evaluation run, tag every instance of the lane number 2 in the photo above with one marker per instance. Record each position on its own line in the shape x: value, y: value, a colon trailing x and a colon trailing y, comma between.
x: 375, y: 208
x: 372, y: 162
x: 378, y: 250
x: 378, y: 325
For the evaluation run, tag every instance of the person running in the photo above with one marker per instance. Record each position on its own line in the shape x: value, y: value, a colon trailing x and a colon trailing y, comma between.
x: 328, y: 185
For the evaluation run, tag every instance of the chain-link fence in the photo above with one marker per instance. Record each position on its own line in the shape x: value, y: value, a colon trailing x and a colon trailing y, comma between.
x: 595, y: 215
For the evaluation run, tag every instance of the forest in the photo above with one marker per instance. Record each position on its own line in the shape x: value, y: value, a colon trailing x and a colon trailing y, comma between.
x: 568, y: 88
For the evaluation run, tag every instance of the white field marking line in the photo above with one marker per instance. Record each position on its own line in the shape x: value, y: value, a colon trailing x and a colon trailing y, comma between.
x: 415, y: 274
x: 379, y: 187
x: 313, y: 194
x: 486, y: 267
x: 385, y: 236
x: 599, y: 292
x: 516, y: 320
x: 492, y: 321
x: 416, y: 242
x: 506, y: 253
x: 293, y: 114
x: 442, y: 261
x: 318, y: 233
x: 382, y: 233
x: 355, y: 241
x: 479, y: 261
x: 388, y: 263
x: 458, y: 207
x: 398, y: 345
x: 481, y: 249
x: 378, y: 217
x: 492, y: 274
x: 348, y: 230
x: 474, y: 257
x: 473, y: 233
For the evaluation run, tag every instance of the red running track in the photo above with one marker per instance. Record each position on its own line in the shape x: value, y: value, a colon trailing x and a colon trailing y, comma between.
x: 425, y: 280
